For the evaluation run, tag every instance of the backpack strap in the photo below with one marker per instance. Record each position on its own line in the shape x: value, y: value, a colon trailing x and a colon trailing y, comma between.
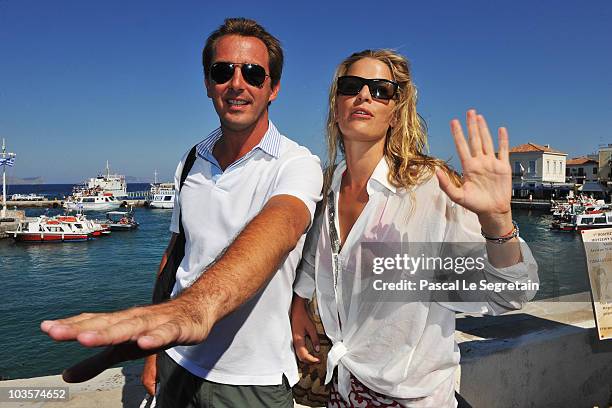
x: 167, y: 278
x: 188, y: 165
x: 191, y: 157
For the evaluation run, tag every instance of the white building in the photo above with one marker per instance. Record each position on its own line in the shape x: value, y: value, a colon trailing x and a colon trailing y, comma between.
x: 538, y: 170
x: 605, y: 164
x: 581, y: 170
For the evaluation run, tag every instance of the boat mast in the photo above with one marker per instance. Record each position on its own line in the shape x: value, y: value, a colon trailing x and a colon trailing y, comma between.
x: 6, y: 159
x: 155, y: 182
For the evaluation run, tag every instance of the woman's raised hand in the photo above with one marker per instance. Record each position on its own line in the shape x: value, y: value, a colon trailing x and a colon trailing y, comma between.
x: 487, y: 178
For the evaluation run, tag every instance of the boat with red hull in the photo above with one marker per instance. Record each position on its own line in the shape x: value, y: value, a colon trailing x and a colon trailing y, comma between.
x: 57, y: 229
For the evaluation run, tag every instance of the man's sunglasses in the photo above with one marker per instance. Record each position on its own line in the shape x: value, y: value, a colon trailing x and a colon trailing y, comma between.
x: 379, y: 88
x: 253, y: 74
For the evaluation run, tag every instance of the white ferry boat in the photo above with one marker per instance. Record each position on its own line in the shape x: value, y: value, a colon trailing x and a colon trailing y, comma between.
x: 98, y: 202
x: 163, y: 195
x: 105, y: 183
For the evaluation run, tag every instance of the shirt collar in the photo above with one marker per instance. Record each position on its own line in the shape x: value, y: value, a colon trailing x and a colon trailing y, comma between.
x: 269, y: 143
x: 379, y: 176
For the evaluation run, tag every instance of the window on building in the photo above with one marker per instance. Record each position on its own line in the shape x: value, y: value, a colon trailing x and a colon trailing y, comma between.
x: 547, y: 167
x: 594, y: 170
x: 555, y: 163
x: 581, y: 171
x: 531, y: 166
x: 517, y: 167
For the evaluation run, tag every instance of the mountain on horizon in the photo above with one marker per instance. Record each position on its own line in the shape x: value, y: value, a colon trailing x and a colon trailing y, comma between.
x: 25, y: 180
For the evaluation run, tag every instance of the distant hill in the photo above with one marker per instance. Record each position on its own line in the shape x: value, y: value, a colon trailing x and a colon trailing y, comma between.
x: 26, y: 180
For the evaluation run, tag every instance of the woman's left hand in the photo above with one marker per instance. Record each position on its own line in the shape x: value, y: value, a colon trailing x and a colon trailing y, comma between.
x: 487, y: 179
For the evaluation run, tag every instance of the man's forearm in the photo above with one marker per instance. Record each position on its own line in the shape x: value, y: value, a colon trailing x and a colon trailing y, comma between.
x: 250, y: 261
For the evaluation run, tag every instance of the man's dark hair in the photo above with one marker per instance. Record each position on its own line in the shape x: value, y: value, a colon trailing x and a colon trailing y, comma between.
x: 246, y: 28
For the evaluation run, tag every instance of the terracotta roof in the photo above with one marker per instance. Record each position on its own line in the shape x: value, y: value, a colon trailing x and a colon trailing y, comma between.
x: 533, y: 147
x: 576, y: 161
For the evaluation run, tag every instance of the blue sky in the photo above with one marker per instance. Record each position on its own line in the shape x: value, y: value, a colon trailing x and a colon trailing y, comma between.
x: 82, y: 81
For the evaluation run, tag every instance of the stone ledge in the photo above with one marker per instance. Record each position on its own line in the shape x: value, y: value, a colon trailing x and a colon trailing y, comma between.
x: 545, y: 355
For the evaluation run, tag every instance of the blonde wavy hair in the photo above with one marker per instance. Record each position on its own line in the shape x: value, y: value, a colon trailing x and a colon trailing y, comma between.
x: 405, y: 142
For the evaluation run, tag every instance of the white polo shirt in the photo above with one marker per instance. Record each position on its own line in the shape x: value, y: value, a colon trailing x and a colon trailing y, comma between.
x: 252, y: 345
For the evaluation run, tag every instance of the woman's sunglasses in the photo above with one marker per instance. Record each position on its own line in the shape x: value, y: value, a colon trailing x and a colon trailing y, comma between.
x: 379, y: 88
x: 253, y: 74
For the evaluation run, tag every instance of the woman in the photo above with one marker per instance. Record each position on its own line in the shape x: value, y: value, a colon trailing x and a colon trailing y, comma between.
x: 385, y: 352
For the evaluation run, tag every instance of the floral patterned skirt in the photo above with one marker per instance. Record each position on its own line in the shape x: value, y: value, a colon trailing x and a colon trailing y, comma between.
x: 360, y: 396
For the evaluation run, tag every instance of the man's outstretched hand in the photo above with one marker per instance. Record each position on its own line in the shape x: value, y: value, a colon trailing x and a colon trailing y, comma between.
x: 130, y: 334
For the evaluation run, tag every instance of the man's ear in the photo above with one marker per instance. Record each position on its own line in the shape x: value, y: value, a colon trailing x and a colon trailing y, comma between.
x: 275, y: 91
x: 208, y: 86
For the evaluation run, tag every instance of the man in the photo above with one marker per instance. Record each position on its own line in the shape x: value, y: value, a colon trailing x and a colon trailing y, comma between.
x: 246, y: 206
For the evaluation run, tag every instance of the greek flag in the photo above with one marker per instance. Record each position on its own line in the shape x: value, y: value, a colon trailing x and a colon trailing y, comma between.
x: 9, y: 161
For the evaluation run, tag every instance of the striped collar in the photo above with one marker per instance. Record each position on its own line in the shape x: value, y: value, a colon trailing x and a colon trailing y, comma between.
x: 269, y: 143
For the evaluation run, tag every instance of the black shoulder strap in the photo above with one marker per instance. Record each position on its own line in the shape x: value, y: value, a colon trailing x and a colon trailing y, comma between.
x: 167, y: 278
x: 188, y: 165
x: 186, y: 169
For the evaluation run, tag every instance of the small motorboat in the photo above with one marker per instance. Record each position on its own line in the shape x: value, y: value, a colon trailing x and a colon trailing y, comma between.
x: 121, y: 221
x: 44, y: 229
x: 97, y: 202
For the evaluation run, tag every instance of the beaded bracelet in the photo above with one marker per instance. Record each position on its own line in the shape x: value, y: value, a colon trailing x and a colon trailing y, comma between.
x: 504, y: 238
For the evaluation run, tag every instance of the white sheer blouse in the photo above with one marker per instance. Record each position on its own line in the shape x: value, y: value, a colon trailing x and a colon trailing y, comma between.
x: 405, y: 350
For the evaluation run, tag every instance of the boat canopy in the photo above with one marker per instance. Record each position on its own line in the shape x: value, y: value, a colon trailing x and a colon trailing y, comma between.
x: 592, y: 187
